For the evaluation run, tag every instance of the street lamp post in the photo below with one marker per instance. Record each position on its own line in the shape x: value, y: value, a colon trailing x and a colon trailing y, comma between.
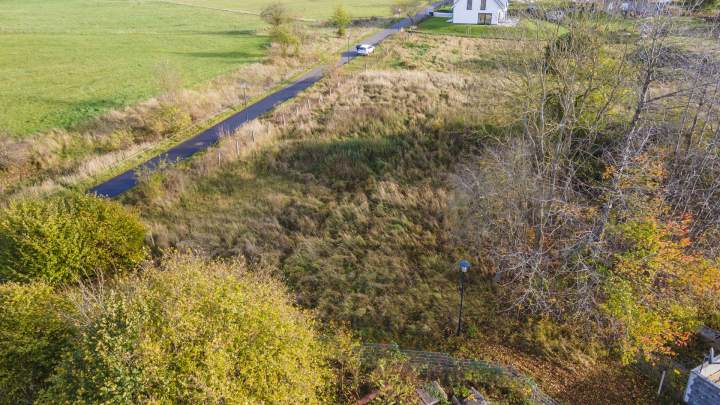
x: 464, y: 266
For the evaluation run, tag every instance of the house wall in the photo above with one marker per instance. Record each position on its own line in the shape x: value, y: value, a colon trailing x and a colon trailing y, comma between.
x: 461, y: 15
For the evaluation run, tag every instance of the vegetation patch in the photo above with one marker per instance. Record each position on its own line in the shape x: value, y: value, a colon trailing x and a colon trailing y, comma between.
x: 191, y: 331
x: 527, y: 29
x: 67, y: 239
x: 66, y: 63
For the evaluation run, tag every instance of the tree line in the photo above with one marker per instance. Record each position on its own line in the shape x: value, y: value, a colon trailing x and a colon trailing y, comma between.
x: 599, y: 208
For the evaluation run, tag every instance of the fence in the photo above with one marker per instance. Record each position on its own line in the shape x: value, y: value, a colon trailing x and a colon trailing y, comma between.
x: 434, y: 365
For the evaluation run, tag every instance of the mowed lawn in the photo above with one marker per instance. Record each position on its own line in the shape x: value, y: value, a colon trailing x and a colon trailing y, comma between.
x: 63, y: 62
x: 527, y: 29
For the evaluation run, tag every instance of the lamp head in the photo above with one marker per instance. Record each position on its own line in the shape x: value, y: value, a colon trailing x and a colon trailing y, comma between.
x: 464, y: 266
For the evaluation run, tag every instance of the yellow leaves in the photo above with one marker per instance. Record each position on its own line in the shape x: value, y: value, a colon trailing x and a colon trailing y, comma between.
x: 195, y: 331
x: 609, y: 172
x: 67, y: 238
x: 657, y: 285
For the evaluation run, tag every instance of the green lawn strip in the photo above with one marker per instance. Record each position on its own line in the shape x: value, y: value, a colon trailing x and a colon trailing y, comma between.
x: 526, y: 29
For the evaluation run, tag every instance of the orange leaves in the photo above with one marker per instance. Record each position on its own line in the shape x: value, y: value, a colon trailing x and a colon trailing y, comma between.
x: 658, y: 285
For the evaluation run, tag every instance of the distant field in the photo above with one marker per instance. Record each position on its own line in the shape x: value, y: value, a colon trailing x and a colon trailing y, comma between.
x: 65, y: 61
x: 311, y: 9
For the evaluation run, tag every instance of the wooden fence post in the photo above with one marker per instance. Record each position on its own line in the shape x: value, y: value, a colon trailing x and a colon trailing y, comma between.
x: 662, y: 380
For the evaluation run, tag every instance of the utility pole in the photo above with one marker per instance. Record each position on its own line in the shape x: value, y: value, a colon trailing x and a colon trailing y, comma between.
x: 464, y: 266
x: 348, y: 48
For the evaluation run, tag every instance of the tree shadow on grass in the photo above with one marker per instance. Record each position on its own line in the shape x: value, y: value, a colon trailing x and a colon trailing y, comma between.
x: 75, y: 114
x: 232, y: 33
x: 230, y: 56
x: 349, y: 163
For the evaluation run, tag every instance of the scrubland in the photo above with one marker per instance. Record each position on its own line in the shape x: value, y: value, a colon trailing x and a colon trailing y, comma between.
x: 347, y: 194
x: 577, y: 170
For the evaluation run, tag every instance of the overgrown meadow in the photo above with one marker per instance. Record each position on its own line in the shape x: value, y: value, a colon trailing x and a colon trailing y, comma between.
x: 574, y: 164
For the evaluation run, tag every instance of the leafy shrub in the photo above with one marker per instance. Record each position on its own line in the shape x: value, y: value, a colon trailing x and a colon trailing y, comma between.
x: 285, y: 37
x: 341, y: 19
x: 657, y: 289
x: 33, y: 335
x: 190, y: 331
x: 395, y: 381
x: 67, y: 238
x: 276, y: 14
x: 344, y: 355
x: 498, y: 384
x: 167, y: 120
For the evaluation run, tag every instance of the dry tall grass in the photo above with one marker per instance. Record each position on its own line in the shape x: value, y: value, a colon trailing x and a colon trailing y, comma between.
x: 345, y: 191
x: 360, y: 156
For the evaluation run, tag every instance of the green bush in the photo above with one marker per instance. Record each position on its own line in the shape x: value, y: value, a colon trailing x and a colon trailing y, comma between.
x: 168, y: 120
x: 496, y: 383
x: 34, y: 333
x: 340, y: 20
x: 67, y: 238
x: 190, y: 331
x: 286, y: 38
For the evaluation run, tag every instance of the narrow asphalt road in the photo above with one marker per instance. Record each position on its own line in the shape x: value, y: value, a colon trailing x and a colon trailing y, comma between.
x: 127, y: 180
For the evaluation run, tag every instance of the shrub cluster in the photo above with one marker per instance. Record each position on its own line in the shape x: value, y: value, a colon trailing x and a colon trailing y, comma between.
x: 185, y: 331
x: 34, y: 332
x: 67, y: 238
x: 193, y: 332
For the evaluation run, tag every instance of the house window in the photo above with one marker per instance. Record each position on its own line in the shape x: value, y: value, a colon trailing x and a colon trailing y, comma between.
x: 469, y: 4
x: 483, y: 4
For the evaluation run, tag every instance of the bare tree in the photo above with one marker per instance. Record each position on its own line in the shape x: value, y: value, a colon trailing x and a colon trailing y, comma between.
x: 534, y: 196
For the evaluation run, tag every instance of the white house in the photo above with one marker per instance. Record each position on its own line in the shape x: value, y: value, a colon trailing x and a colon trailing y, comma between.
x: 487, y: 12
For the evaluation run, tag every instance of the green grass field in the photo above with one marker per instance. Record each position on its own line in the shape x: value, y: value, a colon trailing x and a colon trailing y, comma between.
x: 309, y: 9
x: 66, y: 61
x: 526, y: 29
